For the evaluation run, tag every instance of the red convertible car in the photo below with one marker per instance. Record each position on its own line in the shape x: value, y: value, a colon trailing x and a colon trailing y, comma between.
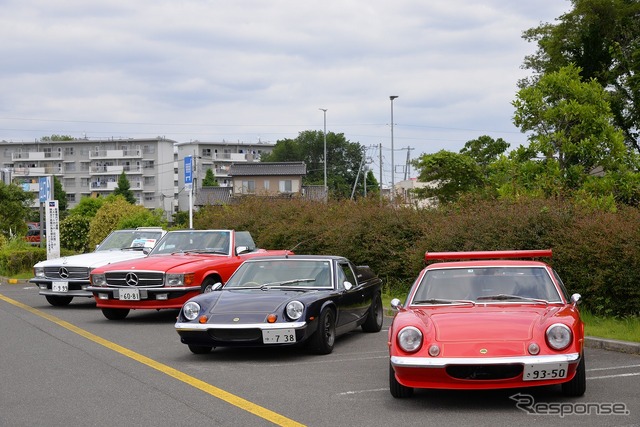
x: 487, y: 322
x: 181, y: 265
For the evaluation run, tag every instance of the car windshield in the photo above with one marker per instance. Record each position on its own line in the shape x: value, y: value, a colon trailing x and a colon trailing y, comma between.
x: 280, y: 273
x: 486, y: 285
x: 198, y: 241
x: 130, y: 239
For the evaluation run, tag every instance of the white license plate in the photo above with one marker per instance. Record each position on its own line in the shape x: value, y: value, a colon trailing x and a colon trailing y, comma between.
x: 278, y: 336
x: 132, y: 294
x: 60, y: 286
x: 553, y: 371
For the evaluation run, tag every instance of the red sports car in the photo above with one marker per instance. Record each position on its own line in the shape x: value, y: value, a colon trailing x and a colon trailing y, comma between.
x: 182, y: 264
x: 487, y: 322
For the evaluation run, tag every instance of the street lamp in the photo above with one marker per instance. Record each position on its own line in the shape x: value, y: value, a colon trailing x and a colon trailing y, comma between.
x: 393, y: 172
x: 324, y: 112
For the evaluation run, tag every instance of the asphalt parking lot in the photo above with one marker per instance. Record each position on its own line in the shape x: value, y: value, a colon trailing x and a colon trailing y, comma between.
x: 70, y: 366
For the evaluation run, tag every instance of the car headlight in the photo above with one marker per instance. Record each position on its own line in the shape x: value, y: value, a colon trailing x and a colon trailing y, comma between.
x: 38, y: 271
x: 410, y: 339
x: 294, y: 310
x: 190, y: 310
x: 559, y: 336
x: 98, y: 280
x: 179, y: 279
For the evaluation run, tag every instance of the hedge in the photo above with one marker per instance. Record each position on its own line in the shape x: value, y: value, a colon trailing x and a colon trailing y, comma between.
x: 596, y: 253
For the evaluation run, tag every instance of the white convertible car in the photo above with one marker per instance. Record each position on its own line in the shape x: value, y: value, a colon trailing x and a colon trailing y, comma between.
x: 61, y: 279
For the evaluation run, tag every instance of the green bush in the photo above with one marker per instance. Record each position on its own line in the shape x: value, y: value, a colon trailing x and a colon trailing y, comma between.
x: 17, y: 256
x: 596, y: 253
x: 74, y: 233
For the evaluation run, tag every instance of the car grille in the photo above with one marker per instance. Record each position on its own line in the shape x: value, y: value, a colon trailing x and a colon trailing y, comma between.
x: 484, y: 372
x: 143, y: 279
x: 66, y: 273
x: 235, y: 335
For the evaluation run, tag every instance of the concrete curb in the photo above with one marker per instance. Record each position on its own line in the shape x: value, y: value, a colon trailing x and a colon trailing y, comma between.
x: 612, y: 345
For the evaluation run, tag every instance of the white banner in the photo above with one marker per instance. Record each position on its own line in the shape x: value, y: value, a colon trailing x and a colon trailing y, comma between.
x: 53, y: 229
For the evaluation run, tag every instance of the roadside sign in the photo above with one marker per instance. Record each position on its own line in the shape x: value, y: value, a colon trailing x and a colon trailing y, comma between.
x: 45, y: 193
x: 188, y: 172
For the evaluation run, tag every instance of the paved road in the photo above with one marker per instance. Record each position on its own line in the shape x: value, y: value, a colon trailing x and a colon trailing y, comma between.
x: 72, y: 367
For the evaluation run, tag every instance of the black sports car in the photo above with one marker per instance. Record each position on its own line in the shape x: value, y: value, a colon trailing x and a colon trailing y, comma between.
x: 284, y: 300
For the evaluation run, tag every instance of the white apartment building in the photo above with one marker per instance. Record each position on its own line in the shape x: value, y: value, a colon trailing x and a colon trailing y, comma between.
x: 153, y: 166
x: 92, y: 168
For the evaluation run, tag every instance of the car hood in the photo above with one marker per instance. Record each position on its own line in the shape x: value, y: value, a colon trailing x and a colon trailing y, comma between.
x: 483, y: 323
x: 249, y: 305
x: 167, y: 262
x: 93, y: 259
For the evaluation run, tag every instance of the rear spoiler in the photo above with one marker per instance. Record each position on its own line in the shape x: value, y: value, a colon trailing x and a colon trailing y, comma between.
x: 541, y: 253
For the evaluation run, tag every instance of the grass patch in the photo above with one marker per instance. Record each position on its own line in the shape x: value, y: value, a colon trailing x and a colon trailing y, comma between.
x: 625, y: 329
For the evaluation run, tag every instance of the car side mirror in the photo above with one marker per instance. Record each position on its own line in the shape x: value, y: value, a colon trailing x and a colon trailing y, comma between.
x: 242, y: 249
x: 348, y: 285
x: 396, y: 304
x: 216, y: 286
x: 575, y: 299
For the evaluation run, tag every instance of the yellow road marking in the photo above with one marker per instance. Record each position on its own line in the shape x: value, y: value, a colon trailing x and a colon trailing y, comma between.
x: 230, y: 398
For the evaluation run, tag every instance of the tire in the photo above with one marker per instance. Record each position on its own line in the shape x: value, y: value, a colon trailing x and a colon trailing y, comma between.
x: 375, y: 316
x: 398, y: 390
x: 578, y: 385
x: 324, y: 338
x: 115, y: 313
x: 207, y: 284
x: 200, y: 349
x: 58, y: 301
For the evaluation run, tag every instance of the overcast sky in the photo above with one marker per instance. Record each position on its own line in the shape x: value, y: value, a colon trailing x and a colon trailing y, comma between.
x: 260, y: 70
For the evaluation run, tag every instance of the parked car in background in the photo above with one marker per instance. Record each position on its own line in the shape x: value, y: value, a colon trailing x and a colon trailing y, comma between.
x: 487, y: 322
x: 33, y: 236
x: 62, y: 279
x: 284, y: 301
x: 183, y: 264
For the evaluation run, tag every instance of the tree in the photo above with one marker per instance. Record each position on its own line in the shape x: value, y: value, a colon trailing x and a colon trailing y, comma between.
x: 570, y: 122
x: 124, y: 189
x: 14, y: 209
x: 601, y: 38
x: 113, y: 214
x: 485, y: 149
x: 343, y: 159
x: 449, y: 175
x: 209, y: 179
x: 59, y: 194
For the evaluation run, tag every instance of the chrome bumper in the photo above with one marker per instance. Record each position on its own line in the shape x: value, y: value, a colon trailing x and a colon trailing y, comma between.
x: 441, y: 362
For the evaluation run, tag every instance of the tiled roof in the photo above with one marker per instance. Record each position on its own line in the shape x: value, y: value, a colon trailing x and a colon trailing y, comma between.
x: 268, y: 169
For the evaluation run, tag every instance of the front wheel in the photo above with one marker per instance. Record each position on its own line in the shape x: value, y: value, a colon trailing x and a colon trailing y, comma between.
x: 207, y: 285
x: 324, y: 338
x: 398, y: 390
x: 58, y: 301
x: 374, y: 316
x: 200, y: 349
x: 578, y: 385
x: 115, y: 313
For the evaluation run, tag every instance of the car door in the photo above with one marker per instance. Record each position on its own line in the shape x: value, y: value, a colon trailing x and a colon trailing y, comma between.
x: 352, y: 301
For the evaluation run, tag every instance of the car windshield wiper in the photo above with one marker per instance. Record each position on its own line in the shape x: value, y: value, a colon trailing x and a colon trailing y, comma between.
x: 206, y: 251
x: 443, y: 301
x: 506, y: 297
x: 288, y: 282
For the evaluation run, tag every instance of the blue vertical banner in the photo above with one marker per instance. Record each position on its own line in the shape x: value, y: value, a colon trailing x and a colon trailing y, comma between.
x: 188, y: 172
x: 44, y: 184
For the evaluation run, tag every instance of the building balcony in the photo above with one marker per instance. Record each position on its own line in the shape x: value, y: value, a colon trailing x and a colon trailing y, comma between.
x: 113, y: 169
x: 115, y: 154
x: 35, y: 155
x: 40, y: 171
